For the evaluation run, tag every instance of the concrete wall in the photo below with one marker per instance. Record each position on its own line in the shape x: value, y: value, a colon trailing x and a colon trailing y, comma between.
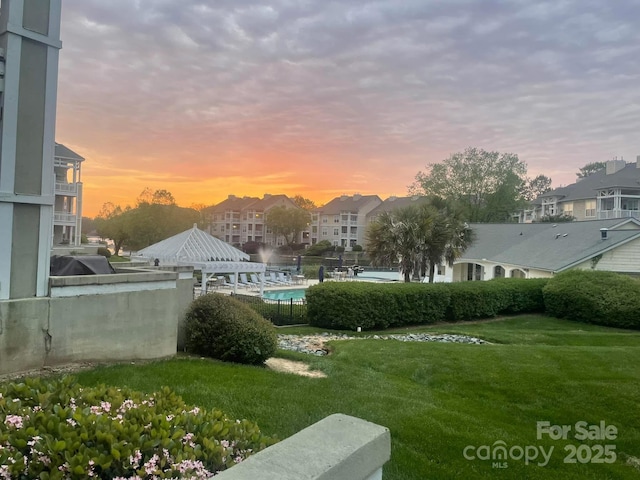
x: 125, y: 316
x: 338, y: 447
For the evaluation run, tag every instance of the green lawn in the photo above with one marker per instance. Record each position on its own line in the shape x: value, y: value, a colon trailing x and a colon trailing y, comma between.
x: 437, y: 399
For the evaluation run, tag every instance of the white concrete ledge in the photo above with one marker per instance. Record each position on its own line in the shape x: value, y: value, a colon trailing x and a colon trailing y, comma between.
x: 338, y: 447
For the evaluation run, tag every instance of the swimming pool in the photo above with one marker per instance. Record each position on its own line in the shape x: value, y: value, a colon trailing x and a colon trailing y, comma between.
x: 294, y: 293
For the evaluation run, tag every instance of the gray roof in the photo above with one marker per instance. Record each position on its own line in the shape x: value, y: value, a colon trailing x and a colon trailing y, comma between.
x: 392, y: 203
x: 628, y: 177
x: 346, y: 203
x: 66, y: 153
x: 547, y: 246
x: 233, y: 203
x: 193, y: 245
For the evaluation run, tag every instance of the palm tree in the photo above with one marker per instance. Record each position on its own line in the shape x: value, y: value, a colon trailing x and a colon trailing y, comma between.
x: 445, y: 235
x: 395, y: 236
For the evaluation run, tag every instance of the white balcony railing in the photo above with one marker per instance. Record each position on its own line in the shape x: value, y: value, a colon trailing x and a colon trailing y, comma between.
x: 607, y: 214
x: 66, y: 188
x: 66, y: 218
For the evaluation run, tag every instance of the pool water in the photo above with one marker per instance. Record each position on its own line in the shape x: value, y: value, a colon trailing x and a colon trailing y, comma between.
x: 294, y: 293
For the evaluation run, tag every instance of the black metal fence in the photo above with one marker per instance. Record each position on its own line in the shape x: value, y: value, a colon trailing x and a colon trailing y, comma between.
x: 278, y: 312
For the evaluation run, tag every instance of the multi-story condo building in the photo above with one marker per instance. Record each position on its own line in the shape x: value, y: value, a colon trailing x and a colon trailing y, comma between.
x: 393, y: 203
x: 610, y: 193
x: 67, y: 215
x: 343, y: 221
x: 238, y: 220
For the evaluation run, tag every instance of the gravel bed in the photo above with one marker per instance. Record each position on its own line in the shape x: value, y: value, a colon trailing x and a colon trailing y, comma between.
x: 314, y: 344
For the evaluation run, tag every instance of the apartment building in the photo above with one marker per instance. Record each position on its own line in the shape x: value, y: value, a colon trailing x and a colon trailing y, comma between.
x: 343, y: 221
x: 67, y: 215
x: 238, y: 220
x: 607, y: 194
x: 393, y: 203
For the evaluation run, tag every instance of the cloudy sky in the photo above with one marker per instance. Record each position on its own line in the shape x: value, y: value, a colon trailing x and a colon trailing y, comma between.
x: 321, y: 97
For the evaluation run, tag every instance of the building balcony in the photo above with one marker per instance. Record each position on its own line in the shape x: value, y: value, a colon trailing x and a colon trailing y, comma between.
x: 62, y: 218
x: 66, y: 188
x: 607, y: 214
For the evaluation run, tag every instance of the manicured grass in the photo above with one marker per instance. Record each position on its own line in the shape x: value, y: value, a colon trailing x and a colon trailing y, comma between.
x: 436, y: 399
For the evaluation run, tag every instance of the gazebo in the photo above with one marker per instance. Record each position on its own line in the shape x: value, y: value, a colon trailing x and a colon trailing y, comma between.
x: 203, y: 252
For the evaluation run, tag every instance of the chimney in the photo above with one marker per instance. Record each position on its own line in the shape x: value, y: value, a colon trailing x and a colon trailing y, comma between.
x: 615, y: 165
x: 266, y: 195
x: 604, y: 232
x: 232, y: 197
x: 357, y: 197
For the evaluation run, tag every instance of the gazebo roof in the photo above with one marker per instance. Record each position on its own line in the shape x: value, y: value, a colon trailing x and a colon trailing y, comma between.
x: 192, y: 246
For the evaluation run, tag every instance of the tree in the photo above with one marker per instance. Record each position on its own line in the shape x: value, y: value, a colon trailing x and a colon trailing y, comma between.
x: 395, y: 237
x: 114, y: 223
x: 446, y: 235
x: 591, y: 168
x: 419, y: 237
x: 287, y: 222
x: 471, y: 177
x: 155, y: 218
x: 535, y: 187
x: 304, y: 203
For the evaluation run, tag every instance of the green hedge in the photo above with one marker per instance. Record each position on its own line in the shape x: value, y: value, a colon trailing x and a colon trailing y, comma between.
x: 56, y: 429
x: 602, y: 298
x: 348, y: 305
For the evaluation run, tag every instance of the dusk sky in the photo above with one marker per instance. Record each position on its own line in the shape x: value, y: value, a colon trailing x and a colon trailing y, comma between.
x: 323, y: 98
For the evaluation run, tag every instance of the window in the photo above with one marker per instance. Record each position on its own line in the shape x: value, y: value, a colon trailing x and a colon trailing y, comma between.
x: 345, y: 218
x: 344, y: 229
x: 314, y: 229
x: 324, y: 219
x: 336, y: 232
x: 567, y: 209
x: 336, y: 219
x: 325, y: 232
x: 250, y: 227
x: 441, y: 270
x: 590, y: 208
x: 354, y: 218
x: 352, y: 243
x: 354, y: 230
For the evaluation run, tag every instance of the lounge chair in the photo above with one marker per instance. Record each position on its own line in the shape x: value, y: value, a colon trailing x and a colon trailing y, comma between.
x: 232, y: 281
x: 283, y: 278
x: 275, y: 279
x: 258, y: 279
x: 245, y: 281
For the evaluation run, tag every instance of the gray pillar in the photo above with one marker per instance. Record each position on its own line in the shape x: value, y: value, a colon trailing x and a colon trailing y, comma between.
x: 30, y: 41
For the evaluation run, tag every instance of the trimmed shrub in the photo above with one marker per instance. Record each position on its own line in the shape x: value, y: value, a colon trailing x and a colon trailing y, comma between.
x: 348, y: 305
x: 221, y: 327
x: 471, y: 300
x: 602, y: 298
x: 104, y: 251
x: 525, y: 294
x: 55, y: 429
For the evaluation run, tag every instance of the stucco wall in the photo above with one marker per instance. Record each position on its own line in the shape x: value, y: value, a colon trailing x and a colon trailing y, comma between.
x: 126, y: 316
x: 23, y: 324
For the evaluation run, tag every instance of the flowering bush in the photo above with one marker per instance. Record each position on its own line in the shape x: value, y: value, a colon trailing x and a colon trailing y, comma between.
x: 59, y: 430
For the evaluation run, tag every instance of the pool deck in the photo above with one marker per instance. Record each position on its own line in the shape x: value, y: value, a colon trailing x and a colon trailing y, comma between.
x: 306, y: 283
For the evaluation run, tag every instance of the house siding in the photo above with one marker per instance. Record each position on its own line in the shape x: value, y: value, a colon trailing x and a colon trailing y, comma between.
x: 624, y: 259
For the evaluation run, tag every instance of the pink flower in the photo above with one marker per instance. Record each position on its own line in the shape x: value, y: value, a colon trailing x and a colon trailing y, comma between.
x: 13, y: 421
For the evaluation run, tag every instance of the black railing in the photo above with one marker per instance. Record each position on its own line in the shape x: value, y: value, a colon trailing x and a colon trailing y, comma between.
x: 278, y: 312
